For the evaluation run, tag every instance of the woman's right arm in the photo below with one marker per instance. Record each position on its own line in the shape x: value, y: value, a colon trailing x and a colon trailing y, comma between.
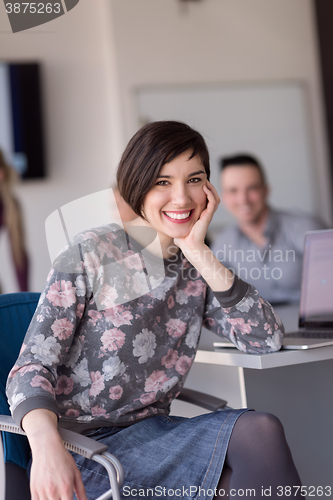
x: 32, y: 383
x: 54, y: 474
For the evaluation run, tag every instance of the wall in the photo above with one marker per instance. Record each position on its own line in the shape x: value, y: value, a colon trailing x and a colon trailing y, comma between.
x: 80, y: 100
x: 218, y: 41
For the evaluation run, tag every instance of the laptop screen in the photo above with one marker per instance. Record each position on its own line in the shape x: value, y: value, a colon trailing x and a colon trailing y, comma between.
x: 316, y: 304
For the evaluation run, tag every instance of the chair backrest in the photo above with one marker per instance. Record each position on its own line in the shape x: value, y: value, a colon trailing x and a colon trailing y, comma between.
x: 16, y: 311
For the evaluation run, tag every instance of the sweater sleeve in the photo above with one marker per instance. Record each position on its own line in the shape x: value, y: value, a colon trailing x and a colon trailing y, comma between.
x: 50, y: 340
x: 244, y: 318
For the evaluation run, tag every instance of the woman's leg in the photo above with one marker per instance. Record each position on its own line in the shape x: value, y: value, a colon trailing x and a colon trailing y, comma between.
x: 259, y: 459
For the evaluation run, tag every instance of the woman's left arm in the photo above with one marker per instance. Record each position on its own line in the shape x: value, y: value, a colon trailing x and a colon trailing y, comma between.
x: 244, y: 318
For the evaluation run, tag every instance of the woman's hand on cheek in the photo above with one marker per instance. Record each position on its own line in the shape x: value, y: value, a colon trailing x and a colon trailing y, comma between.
x: 213, y: 201
x: 199, y: 230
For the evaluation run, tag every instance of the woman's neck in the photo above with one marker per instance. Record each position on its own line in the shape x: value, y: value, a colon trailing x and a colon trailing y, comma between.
x: 161, y: 245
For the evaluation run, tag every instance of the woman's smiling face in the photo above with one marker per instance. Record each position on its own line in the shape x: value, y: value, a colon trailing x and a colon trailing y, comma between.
x: 175, y: 202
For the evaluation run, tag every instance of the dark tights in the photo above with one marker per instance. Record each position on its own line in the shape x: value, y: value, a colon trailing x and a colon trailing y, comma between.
x: 259, y: 458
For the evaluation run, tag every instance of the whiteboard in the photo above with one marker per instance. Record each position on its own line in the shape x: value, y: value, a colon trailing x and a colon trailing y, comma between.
x: 269, y: 120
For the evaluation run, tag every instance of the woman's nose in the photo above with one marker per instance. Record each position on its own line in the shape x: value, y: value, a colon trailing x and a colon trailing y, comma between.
x: 180, y: 195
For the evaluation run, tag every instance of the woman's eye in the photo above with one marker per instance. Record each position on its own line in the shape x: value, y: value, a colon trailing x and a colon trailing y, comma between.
x: 161, y: 183
x: 195, y: 180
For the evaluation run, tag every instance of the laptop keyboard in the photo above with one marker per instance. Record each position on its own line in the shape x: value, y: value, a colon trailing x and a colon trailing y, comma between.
x: 311, y: 334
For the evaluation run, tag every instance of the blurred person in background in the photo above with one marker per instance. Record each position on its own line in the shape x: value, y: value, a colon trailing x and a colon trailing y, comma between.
x: 12, y: 222
x: 265, y: 246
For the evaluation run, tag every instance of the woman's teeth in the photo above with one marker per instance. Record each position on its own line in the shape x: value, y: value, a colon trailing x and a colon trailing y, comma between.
x: 172, y: 215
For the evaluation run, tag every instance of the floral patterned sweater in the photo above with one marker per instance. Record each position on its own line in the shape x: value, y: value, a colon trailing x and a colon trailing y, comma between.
x: 113, y: 337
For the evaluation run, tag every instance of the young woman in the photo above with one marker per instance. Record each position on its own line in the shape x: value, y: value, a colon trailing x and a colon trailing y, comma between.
x: 115, y: 334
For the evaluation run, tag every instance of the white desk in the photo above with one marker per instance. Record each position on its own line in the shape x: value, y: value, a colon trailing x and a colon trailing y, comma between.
x: 233, y: 357
x: 297, y: 387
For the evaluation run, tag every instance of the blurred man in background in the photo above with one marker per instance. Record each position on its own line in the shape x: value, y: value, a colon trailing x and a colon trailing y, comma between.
x: 265, y: 246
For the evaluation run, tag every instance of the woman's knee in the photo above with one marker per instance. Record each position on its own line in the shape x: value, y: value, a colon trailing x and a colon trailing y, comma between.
x: 266, y: 425
x: 255, y: 435
x: 258, y: 427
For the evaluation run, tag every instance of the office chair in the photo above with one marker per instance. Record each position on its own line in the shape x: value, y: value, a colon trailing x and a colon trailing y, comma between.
x: 16, y: 311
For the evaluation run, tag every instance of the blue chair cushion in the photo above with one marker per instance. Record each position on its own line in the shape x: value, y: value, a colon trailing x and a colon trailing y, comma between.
x: 16, y: 311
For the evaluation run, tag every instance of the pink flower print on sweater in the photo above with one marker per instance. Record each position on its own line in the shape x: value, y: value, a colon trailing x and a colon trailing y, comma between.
x: 92, y: 263
x: 72, y: 413
x: 79, y: 310
x: 117, y: 254
x: 170, y: 359
x: 64, y: 385
x: 156, y: 381
x: 95, y: 316
x: 183, y: 364
x: 42, y: 382
x: 115, y: 392
x: 141, y: 414
x: 132, y: 260
x: 254, y: 344
x: 108, y: 296
x: 118, y: 315
x: 175, y: 327
x: 91, y: 235
x: 98, y: 411
x: 105, y: 248
x: 148, y: 398
x: 239, y: 324
x: 97, y: 383
x: 170, y: 302
x: 268, y: 328
x: 25, y: 369
x: 195, y: 288
x: 61, y: 294
x: 113, y: 339
x: 62, y: 328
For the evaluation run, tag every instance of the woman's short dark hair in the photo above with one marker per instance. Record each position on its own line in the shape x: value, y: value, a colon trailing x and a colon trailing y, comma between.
x: 241, y: 160
x: 149, y: 149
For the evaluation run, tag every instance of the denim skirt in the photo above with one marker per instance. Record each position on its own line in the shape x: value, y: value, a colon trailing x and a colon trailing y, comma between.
x: 164, y: 457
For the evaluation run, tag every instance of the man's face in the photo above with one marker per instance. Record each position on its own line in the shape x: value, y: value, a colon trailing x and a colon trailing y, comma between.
x: 243, y: 193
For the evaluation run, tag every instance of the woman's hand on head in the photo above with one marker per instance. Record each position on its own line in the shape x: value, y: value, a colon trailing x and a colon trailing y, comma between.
x: 213, y: 201
x: 199, y: 230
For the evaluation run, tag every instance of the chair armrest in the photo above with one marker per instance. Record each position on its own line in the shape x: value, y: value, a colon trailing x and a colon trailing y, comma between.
x: 87, y: 447
x: 7, y: 424
x: 206, y: 401
x: 72, y: 440
x: 81, y: 444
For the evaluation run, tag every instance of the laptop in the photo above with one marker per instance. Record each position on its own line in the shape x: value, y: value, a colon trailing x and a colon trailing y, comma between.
x: 316, y: 301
